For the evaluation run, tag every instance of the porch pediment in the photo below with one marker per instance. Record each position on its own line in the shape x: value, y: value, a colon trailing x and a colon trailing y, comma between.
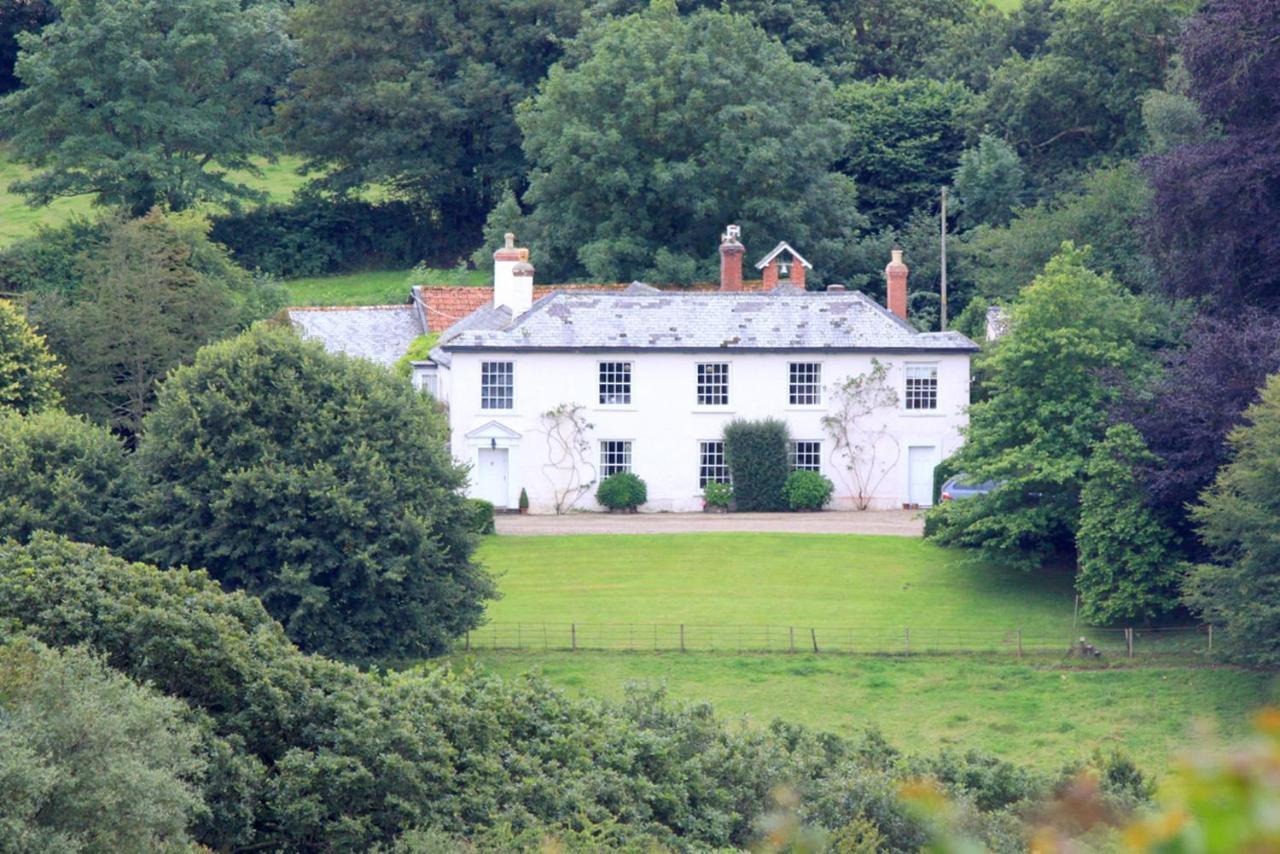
x: 493, y: 430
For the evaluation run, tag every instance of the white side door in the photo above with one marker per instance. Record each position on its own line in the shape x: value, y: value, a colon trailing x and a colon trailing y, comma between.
x: 491, y: 477
x: 921, y: 460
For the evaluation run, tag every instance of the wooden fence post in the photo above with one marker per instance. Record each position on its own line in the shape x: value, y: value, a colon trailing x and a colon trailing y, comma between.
x: 1128, y: 633
x: 906, y: 640
x: 682, y: 637
x: 813, y: 636
x: 573, y: 636
x: 1019, y: 642
x: 791, y: 630
x: 1211, y: 637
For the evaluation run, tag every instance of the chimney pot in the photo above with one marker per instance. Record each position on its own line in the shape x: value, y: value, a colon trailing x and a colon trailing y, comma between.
x: 895, y: 275
x: 835, y: 289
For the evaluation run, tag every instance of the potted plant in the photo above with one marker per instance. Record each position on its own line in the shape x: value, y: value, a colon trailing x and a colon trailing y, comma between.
x: 524, y: 502
x: 622, y: 492
x: 716, y: 497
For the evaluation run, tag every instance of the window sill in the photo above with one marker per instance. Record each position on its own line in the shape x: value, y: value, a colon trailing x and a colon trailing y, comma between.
x: 608, y: 407
x: 712, y: 410
x: 915, y: 413
x: 813, y: 407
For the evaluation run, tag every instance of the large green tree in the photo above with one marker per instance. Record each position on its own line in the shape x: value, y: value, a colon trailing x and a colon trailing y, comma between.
x: 420, y: 96
x: 1050, y: 378
x: 29, y: 373
x: 90, y: 761
x: 159, y: 290
x: 1238, y: 518
x: 1077, y: 98
x: 905, y: 139
x: 146, y: 102
x: 1128, y: 568
x: 662, y: 130
x: 321, y: 484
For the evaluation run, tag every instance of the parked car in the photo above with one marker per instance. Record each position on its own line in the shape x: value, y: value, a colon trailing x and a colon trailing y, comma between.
x: 959, y: 487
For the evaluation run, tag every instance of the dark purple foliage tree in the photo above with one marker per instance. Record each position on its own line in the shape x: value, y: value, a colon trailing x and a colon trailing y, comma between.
x: 1206, y: 386
x: 1217, y: 202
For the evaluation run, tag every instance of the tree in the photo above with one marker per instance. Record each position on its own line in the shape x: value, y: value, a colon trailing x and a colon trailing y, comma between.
x: 146, y: 102
x: 1049, y: 379
x: 321, y: 484
x: 1239, y: 520
x: 1076, y: 100
x: 421, y: 97
x: 1107, y: 212
x: 1209, y: 378
x: 989, y: 182
x: 60, y: 473
x: 1216, y: 199
x: 904, y: 141
x: 89, y: 761
x: 150, y: 309
x: 756, y: 455
x: 662, y: 130
x: 1128, y: 568
x: 28, y: 372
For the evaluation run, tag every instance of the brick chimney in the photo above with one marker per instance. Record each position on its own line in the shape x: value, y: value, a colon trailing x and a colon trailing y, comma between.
x: 895, y: 275
x: 512, y: 277
x: 731, y: 252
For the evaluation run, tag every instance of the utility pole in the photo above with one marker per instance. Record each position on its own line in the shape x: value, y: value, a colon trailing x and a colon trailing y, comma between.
x: 944, y: 259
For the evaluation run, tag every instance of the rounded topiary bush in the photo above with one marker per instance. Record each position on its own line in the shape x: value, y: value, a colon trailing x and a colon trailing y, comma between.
x: 807, y: 490
x: 622, y: 491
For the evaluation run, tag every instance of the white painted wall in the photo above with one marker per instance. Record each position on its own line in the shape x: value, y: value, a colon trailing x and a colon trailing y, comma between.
x: 665, y: 424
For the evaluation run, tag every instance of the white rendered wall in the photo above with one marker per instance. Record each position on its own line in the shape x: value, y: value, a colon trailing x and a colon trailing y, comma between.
x: 665, y: 424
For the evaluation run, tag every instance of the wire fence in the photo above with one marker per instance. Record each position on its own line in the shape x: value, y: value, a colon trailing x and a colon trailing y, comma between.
x: 1181, y: 641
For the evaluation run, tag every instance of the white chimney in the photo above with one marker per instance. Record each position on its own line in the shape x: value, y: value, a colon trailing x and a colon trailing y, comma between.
x: 512, y: 277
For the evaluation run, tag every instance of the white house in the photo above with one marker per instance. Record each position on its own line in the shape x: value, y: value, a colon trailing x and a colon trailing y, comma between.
x: 551, y: 396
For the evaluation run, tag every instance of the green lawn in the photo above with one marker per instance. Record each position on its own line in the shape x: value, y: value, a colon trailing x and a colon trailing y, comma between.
x: 1043, y: 715
x: 1040, y: 710
x: 767, y: 579
x: 280, y: 180
x: 376, y: 287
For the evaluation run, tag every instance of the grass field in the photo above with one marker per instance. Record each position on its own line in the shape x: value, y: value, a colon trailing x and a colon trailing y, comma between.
x: 376, y: 287
x: 756, y: 579
x: 1043, y: 715
x: 280, y: 180
x: 1041, y: 711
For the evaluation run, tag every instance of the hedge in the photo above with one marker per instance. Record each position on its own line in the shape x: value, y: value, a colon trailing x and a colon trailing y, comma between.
x: 314, y: 236
x: 756, y: 453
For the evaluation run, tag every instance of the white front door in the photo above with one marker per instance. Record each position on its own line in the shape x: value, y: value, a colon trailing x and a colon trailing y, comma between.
x: 491, y: 476
x: 920, y: 463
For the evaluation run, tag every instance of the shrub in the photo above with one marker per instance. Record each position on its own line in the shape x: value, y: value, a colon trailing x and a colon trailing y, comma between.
x: 28, y: 372
x: 807, y: 490
x: 419, y: 350
x: 756, y: 453
x: 90, y: 761
x: 524, y: 499
x: 314, y: 236
x: 718, y: 494
x: 319, y: 483
x: 60, y: 473
x: 50, y: 260
x: 622, y: 491
x: 480, y: 516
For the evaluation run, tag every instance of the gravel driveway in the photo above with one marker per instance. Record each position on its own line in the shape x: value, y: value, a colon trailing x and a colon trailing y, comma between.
x: 901, y: 523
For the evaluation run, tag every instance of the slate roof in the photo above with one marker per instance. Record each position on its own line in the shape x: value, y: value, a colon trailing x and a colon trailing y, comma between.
x: 379, y: 333
x: 784, y: 320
